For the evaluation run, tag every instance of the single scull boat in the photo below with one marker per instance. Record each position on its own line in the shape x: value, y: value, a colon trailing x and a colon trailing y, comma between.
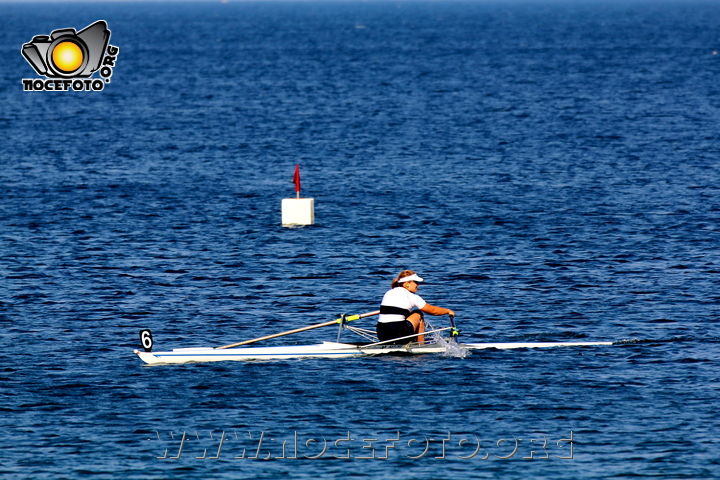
x: 327, y: 350
x: 238, y: 351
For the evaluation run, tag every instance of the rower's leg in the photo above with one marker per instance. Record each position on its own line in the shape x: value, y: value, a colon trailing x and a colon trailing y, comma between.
x: 418, y: 325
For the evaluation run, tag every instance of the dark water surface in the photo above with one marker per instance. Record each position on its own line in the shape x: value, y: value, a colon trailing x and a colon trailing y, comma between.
x: 550, y: 169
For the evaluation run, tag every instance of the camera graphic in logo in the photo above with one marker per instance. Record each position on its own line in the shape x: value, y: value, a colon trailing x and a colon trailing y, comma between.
x: 66, y: 53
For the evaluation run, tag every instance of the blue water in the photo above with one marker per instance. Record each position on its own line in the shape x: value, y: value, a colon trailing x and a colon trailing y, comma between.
x: 551, y: 169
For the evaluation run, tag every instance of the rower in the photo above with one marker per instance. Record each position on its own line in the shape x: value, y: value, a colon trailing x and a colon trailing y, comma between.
x: 401, y: 311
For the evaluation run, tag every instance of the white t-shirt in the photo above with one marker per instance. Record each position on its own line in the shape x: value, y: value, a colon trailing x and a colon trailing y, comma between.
x: 400, y: 297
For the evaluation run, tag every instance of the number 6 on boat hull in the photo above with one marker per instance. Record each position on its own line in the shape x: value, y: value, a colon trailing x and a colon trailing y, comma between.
x: 146, y: 340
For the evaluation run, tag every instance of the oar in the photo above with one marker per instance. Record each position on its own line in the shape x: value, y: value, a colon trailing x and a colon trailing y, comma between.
x: 298, y: 330
x: 454, y: 332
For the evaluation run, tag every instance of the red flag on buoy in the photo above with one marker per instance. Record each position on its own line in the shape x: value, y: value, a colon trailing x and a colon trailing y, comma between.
x: 296, y: 180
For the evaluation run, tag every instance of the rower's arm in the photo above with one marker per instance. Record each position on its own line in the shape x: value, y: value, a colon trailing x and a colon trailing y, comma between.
x: 433, y: 310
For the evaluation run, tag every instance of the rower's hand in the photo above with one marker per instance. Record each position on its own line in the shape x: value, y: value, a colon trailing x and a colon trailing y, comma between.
x: 450, y: 312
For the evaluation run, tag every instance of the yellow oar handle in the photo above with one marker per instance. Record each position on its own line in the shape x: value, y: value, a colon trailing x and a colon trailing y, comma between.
x: 350, y: 318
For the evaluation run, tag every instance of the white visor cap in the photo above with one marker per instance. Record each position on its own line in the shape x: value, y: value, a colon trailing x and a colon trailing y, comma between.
x: 409, y: 279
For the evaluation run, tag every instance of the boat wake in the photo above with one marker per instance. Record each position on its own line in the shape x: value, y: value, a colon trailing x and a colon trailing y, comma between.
x: 676, y: 339
x: 452, y: 348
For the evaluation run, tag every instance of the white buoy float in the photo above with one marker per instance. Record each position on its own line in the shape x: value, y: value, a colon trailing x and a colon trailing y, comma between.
x: 298, y: 211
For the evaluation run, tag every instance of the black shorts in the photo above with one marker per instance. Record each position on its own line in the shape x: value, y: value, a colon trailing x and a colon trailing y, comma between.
x: 390, y: 330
